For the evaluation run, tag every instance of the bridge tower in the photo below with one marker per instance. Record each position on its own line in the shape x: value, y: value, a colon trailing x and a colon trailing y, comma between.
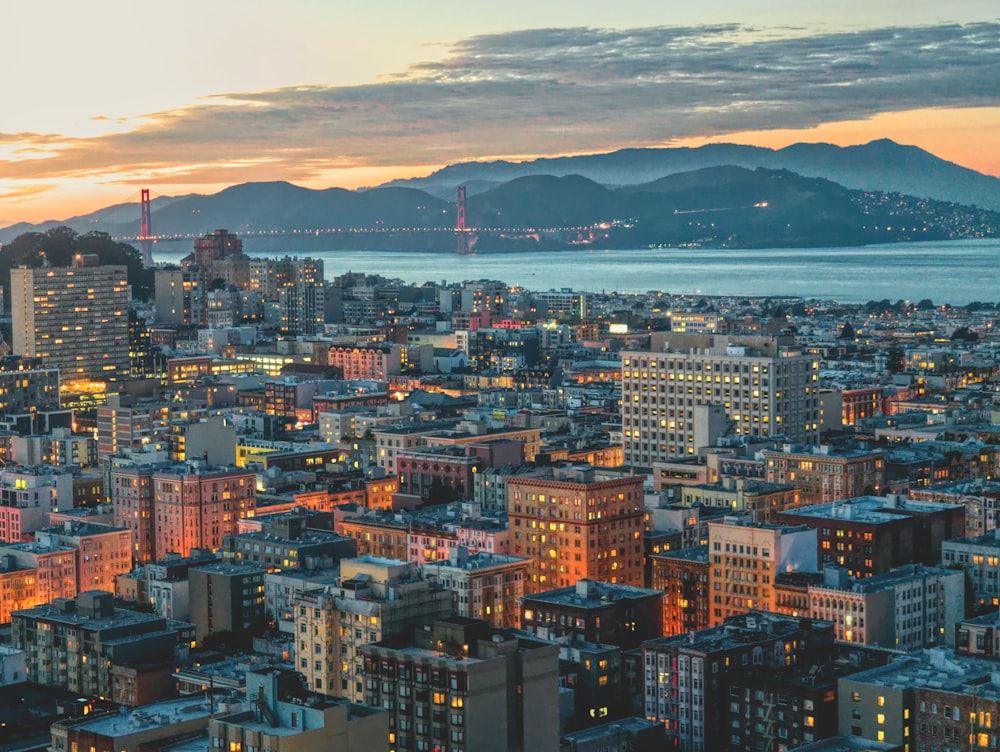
x: 461, y: 232
x: 145, y: 231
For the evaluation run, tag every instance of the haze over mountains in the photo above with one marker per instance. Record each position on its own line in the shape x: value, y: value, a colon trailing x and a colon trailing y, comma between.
x: 716, y: 195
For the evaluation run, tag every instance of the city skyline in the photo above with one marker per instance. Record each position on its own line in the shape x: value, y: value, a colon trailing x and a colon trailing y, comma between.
x: 321, y: 95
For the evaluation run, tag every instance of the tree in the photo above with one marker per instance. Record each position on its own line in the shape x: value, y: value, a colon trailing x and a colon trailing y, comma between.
x: 58, y: 245
x: 846, y: 331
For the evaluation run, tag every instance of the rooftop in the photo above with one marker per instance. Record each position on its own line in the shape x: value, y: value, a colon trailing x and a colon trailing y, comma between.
x: 593, y: 594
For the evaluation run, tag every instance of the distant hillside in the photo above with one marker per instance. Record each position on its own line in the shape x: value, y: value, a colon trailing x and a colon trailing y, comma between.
x: 718, y: 206
x: 877, y: 166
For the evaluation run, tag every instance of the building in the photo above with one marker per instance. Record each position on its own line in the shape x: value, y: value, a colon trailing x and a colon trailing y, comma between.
x: 226, y: 598
x: 143, y: 728
x: 28, y: 494
x: 979, y: 557
x: 577, y: 522
x: 745, y: 558
x: 167, y: 584
x: 29, y: 390
x: 824, y: 474
x: 102, y: 551
x: 693, y: 389
x: 598, y: 612
x: 73, y: 318
x: 487, y: 586
x: 682, y: 576
x: 77, y: 644
x: 376, y: 361
x: 908, y: 608
x: 287, y: 543
x: 375, y: 599
x: 53, y: 567
x: 285, y: 717
x: 461, y: 686
x: 197, y: 506
x: 686, y: 676
x: 901, y: 703
x: 870, y: 535
x: 762, y: 500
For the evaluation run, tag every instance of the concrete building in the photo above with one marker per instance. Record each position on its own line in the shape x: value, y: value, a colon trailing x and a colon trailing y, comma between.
x: 375, y: 599
x: 485, y: 585
x: 577, y: 522
x: 197, y: 506
x: 54, y: 568
x: 685, y: 676
x: 979, y: 558
x: 73, y: 318
x: 598, y: 612
x: 870, y: 535
x: 692, y: 389
x: 461, y: 686
x: 102, y: 551
x: 226, y: 598
x: 746, y: 556
x: 285, y: 717
x: 144, y: 728
x: 76, y: 645
x: 908, y: 608
x: 29, y: 390
x: 28, y: 494
x: 167, y: 584
x: 762, y: 500
x: 824, y: 474
x: 884, y: 703
x: 682, y: 576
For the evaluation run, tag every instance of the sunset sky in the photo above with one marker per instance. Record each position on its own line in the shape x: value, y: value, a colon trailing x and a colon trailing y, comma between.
x: 98, y: 99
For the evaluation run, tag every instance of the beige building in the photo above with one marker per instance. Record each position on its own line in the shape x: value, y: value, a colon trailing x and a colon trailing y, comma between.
x: 375, y: 599
x: 484, y: 585
x: 73, y: 318
x: 744, y: 558
x: 763, y: 501
x: 823, y: 474
x: 690, y: 390
x: 577, y: 522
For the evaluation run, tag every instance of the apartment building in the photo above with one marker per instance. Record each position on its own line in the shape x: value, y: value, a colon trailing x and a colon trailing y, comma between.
x: 745, y: 558
x: 824, y: 474
x: 487, y: 586
x: 577, y: 522
x: 460, y: 685
x: 375, y: 599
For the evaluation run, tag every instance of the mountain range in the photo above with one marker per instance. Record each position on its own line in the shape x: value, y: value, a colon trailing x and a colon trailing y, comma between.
x: 718, y: 195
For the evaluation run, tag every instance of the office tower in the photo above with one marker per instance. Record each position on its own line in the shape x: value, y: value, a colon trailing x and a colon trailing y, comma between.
x: 73, y: 318
x: 577, y: 522
x: 691, y: 390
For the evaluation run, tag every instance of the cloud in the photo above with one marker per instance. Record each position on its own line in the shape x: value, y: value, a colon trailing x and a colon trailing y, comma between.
x: 543, y: 91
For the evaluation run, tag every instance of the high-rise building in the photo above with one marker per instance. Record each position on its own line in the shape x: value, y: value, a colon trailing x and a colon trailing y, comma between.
x: 577, y: 522
x: 690, y: 390
x: 73, y: 318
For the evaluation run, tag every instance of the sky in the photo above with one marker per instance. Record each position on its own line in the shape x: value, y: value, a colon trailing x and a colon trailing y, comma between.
x: 99, y: 99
